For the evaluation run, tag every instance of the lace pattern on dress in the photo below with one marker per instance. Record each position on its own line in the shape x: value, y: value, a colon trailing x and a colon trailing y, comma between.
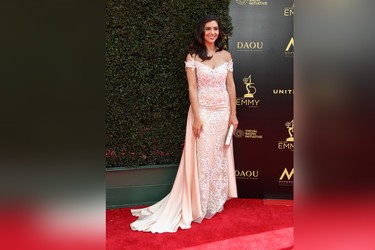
x: 212, y: 156
x: 213, y: 162
x: 230, y: 66
x: 190, y: 64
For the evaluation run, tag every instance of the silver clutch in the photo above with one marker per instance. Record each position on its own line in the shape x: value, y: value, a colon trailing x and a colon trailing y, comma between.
x: 228, y: 137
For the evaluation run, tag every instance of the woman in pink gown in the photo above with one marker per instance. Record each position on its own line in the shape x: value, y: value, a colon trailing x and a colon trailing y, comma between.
x: 206, y: 176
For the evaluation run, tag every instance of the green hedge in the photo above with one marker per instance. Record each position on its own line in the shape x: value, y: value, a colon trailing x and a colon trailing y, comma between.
x: 146, y: 88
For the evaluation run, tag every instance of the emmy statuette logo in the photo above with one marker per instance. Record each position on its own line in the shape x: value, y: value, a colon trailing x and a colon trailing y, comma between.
x: 289, y: 142
x: 249, y: 87
x: 290, y: 127
x: 248, y: 98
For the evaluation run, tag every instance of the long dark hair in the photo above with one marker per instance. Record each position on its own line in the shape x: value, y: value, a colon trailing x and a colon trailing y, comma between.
x: 198, y: 45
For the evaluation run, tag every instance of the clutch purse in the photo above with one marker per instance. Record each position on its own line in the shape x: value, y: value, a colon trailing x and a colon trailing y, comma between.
x: 228, y: 137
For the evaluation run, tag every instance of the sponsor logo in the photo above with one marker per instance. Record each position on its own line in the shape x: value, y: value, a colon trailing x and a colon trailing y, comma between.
x: 239, y: 133
x: 286, y: 177
x: 247, y: 174
x: 252, y: 2
x: 241, y: 2
x: 249, y: 46
x: 249, y: 97
x: 283, y: 91
x: 289, y: 50
x: 248, y: 133
x: 289, y: 142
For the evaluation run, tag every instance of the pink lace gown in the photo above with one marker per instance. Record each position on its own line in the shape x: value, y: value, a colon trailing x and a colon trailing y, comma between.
x: 205, y: 178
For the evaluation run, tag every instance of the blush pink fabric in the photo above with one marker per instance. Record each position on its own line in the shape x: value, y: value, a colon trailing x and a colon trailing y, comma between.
x: 206, y: 176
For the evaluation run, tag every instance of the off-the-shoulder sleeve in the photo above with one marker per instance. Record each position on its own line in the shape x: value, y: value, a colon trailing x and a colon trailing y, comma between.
x: 190, y: 64
x: 230, y: 66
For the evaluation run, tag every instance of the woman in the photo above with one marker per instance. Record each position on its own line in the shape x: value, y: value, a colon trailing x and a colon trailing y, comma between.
x: 206, y: 178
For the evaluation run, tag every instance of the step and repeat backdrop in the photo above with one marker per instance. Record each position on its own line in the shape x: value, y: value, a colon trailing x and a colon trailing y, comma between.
x: 262, y: 47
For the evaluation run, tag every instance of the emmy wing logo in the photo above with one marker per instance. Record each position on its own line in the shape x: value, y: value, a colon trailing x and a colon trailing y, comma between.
x: 289, y: 141
x: 248, y: 98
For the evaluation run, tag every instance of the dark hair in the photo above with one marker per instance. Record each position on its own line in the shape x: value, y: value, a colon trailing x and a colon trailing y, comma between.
x: 198, y: 45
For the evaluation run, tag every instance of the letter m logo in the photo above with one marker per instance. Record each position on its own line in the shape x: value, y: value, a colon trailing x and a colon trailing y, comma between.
x: 288, y: 175
x: 290, y: 44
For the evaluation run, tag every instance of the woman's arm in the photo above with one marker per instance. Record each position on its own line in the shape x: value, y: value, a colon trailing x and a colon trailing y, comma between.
x: 231, y: 88
x: 193, y: 97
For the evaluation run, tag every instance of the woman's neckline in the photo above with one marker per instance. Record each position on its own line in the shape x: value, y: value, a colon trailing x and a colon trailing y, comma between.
x: 215, y: 67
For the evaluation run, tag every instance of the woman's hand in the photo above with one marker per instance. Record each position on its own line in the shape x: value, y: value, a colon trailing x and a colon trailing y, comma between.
x: 233, y: 120
x: 197, y: 127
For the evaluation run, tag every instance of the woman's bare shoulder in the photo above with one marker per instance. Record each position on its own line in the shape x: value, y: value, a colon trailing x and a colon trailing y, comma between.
x: 226, y: 54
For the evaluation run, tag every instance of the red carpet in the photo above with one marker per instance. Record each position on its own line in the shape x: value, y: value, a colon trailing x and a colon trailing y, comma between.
x: 244, y: 224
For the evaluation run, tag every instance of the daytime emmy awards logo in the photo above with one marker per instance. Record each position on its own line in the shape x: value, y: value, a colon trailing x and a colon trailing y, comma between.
x: 289, y: 11
x: 289, y: 142
x: 286, y: 177
x: 248, y: 98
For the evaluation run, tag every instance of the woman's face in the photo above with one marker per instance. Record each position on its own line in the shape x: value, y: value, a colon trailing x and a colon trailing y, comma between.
x: 211, y: 31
